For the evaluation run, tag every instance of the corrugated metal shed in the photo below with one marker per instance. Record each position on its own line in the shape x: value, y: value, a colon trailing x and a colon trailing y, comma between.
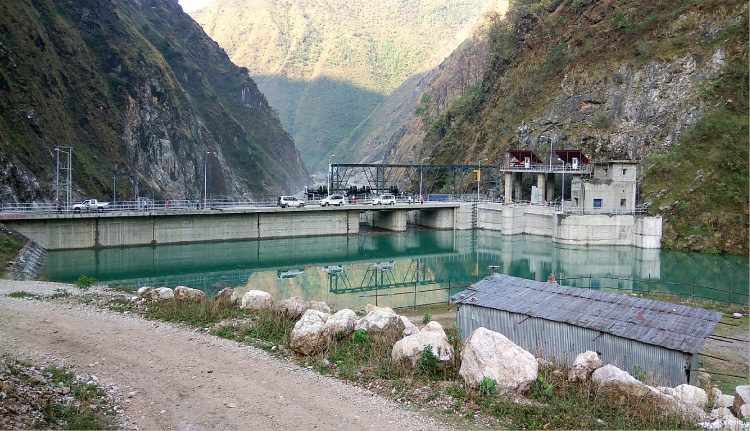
x: 672, y: 326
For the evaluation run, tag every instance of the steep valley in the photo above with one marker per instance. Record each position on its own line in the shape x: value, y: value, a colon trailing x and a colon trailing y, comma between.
x: 142, y: 96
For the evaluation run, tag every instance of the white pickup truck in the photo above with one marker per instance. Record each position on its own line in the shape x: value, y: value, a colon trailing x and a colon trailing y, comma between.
x: 90, y: 205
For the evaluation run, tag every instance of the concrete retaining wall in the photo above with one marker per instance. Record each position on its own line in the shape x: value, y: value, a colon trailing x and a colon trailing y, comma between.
x: 583, y: 230
x: 114, y: 231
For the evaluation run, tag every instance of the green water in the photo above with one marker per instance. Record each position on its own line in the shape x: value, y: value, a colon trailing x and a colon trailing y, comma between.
x: 400, y: 270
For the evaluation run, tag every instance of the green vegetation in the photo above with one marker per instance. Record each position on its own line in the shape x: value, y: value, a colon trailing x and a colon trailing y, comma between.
x: 21, y: 295
x: 9, y: 248
x: 427, y: 317
x: 90, y: 409
x: 84, y: 282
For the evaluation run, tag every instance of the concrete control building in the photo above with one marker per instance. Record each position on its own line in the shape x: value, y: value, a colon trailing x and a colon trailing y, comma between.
x: 602, y: 187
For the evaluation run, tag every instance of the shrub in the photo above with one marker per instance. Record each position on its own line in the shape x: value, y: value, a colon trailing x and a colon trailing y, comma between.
x: 488, y: 387
x: 361, y: 337
x: 84, y: 281
x: 427, y: 317
x: 428, y: 364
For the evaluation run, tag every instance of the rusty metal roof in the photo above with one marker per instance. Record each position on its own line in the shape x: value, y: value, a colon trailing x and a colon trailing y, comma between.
x: 673, y: 326
x: 521, y: 154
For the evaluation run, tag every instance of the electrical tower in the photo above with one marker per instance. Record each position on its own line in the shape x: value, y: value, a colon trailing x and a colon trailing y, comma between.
x: 64, y: 176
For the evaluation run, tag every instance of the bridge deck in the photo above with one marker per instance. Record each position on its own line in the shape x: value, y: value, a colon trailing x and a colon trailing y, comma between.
x: 224, y: 210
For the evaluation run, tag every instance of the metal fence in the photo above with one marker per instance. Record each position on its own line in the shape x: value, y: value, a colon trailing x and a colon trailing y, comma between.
x: 648, y: 286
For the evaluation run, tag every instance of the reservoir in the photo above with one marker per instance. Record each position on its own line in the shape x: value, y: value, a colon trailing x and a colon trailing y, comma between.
x: 401, y: 269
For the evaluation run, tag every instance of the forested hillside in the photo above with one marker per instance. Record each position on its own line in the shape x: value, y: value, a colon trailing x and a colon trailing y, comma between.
x: 139, y: 91
x: 663, y: 82
x: 325, y: 65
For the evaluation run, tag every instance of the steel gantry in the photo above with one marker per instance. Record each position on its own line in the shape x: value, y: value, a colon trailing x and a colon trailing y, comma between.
x: 381, y: 178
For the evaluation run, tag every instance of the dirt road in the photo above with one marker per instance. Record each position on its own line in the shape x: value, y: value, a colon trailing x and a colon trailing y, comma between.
x: 179, y: 379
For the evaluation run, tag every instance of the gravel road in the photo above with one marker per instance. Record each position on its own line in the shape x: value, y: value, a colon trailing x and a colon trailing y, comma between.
x: 180, y: 379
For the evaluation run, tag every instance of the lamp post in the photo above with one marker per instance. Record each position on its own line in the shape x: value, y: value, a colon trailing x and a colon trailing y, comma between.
x: 205, y: 179
x: 479, y: 177
x: 551, y: 155
x: 420, y: 177
x: 114, y: 189
x: 330, y: 174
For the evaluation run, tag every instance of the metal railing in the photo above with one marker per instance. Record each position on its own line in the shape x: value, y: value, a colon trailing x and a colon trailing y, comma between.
x: 608, y: 211
x: 187, y: 205
x: 542, y: 168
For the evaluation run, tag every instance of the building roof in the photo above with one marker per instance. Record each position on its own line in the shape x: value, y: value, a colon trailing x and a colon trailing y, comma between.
x: 568, y: 155
x: 521, y: 154
x: 676, y: 327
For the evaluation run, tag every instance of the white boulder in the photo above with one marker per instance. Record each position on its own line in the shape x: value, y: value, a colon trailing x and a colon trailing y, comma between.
x: 256, y: 300
x: 584, y: 364
x: 148, y: 293
x: 184, y: 292
x: 691, y: 395
x: 724, y: 401
x: 342, y: 323
x: 164, y: 293
x: 740, y: 406
x: 370, y: 307
x: 292, y: 307
x: 381, y: 324
x: 319, y: 305
x: 409, y: 327
x: 610, y: 372
x: 310, y: 334
x: 408, y: 350
x: 490, y: 354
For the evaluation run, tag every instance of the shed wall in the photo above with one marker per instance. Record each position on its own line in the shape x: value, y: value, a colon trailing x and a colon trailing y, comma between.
x: 561, y: 343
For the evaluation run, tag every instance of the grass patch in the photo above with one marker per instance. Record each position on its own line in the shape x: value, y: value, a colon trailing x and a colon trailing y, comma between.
x: 9, y: 248
x: 21, y: 295
x: 196, y: 313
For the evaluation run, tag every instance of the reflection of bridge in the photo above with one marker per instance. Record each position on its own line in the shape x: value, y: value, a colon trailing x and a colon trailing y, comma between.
x: 355, y: 264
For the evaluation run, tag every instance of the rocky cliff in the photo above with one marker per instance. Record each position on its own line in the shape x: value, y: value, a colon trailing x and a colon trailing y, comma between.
x: 139, y: 91
x: 660, y: 82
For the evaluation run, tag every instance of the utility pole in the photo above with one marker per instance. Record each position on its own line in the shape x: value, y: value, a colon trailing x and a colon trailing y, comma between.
x: 205, y: 179
x: 329, y: 177
x: 479, y: 177
x: 420, y: 178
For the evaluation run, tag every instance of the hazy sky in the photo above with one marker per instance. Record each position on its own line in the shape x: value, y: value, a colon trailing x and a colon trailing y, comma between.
x: 191, y: 5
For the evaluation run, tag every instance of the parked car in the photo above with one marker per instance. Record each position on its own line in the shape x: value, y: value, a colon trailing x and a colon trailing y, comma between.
x: 337, y: 200
x: 90, y: 205
x: 384, y: 200
x: 290, y: 201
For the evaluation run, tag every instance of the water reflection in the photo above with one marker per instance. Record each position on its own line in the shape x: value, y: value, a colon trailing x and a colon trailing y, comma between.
x: 398, y: 269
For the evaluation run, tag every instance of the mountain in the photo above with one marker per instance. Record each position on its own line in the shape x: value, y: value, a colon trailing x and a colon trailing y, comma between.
x: 663, y: 82
x: 138, y: 90
x: 325, y: 65
x: 462, y: 63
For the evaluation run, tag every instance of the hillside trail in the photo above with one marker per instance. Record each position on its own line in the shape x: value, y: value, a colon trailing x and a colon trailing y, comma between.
x: 181, y: 379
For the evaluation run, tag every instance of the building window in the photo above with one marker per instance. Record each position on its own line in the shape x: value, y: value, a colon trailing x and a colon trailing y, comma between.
x: 622, y: 202
x: 623, y: 172
x: 597, y: 203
